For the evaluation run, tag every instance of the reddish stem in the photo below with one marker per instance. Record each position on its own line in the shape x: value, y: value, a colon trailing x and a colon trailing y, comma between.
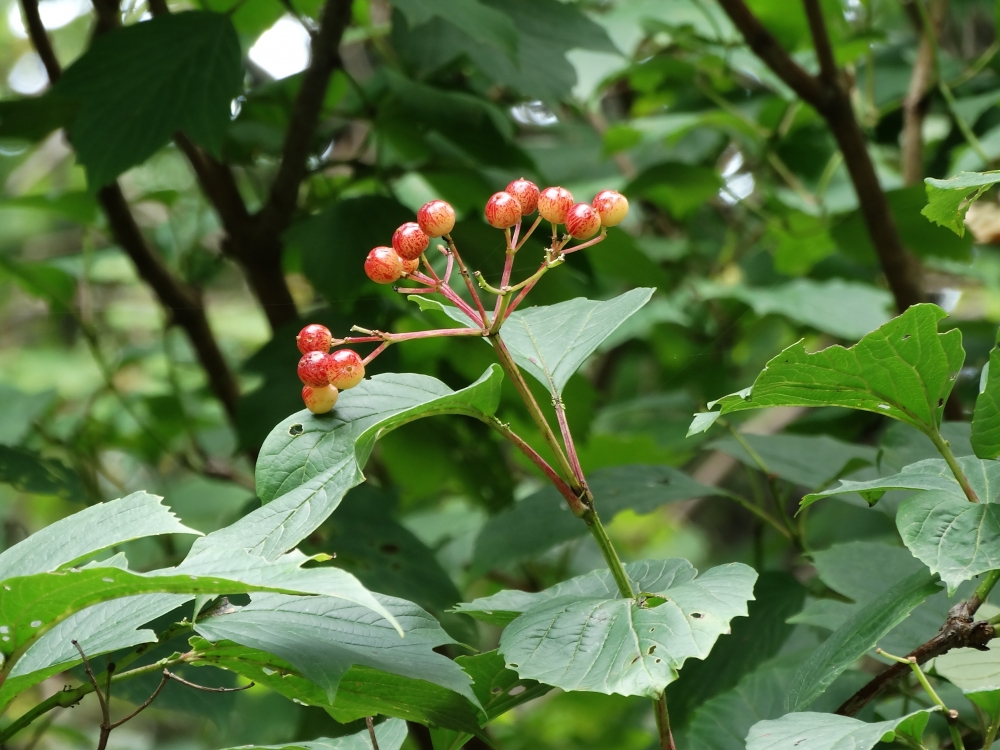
x: 567, y: 436
x: 375, y: 352
x: 588, y: 243
x: 468, y: 281
x: 427, y: 263
x: 523, y: 293
x: 447, y: 270
x: 527, y: 234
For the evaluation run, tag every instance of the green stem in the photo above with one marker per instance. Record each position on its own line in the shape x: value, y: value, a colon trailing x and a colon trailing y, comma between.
x: 983, y: 591
x: 67, y: 698
x: 950, y: 716
x: 991, y: 734
x: 610, y: 554
x: 944, y: 448
x: 663, y: 723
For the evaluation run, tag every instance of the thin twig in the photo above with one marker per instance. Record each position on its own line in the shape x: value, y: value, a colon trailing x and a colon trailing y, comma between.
x: 105, y: 710
x: 371, y: 732
x: 170, y: 675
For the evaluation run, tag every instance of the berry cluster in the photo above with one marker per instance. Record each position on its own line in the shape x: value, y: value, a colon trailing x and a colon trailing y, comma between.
x: 324, y: 374
x: 386, y: 265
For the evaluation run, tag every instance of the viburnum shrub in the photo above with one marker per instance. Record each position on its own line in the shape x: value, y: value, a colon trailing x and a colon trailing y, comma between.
x: 316, y: 635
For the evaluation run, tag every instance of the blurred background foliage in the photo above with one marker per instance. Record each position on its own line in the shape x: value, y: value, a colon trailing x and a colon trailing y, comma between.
x: 743, y: 217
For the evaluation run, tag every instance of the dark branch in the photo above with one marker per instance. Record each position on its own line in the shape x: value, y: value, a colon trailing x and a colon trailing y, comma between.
x: 916, y: 101
x: 182, y: 302
x: 821, y: 43
x: 768, y: 49
x: 960, y: 630
x: 832, y: 99
x: 371, y: 732
x: 277, y: 214
x: 36, y: 30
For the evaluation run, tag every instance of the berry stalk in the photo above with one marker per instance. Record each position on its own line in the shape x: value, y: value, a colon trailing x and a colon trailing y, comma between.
x: 468, y: 280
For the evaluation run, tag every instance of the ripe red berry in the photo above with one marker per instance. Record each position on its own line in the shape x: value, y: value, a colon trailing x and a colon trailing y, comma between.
x: 526, y: 193
x: 344, y: 369
x: 409, y: 266
x: 314, y: 338
x: 503, y: 210
x: 436, y: 218
x: 553, y: 203
x: 582, y: 221
x: 611, y: 206
x: 320, y: 400
x: 312, y: 369
x: 383, y: 265
x: 409, y: 241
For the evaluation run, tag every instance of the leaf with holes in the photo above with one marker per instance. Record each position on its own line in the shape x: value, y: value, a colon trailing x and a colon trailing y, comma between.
x: 582, y: 635
x: 816, y: 731
x: 310, y: 461
x: 904, y: 370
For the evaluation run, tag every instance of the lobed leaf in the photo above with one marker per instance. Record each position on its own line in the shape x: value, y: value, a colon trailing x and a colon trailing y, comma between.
x: 581, y: 635
x: 138, y: 85
x: 904, y: 370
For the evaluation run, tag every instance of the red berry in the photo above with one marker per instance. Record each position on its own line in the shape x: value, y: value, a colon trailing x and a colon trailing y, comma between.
x: 436, y: 218
x: 503, y: 210
x: 553, y: 203
x: 611, y: 206
x: 582, y: 221
x: 314, y: 338
x: 383, y: 265
x: 410, y: 266
x: 312, y: 369
x: 319, y: 400
x: 526, y: 193
x: 409, y: 241
x: 344, y: 369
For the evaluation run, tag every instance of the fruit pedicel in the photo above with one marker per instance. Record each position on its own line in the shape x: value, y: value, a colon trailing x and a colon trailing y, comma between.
x: 325, y: 374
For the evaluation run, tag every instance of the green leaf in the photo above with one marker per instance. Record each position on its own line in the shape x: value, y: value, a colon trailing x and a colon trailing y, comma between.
x: 723, y: 722
x: 323, y: 637
x: 953, y: 537
x: 542, y: 520
x: 971, y: 670
x: 363, y: 691
x: 845, y: 309
x: 857, y: 636
x: 552, y: 342
x: 33, y: 118
x: 816, y: 731
x: 498, y: 689
x: 754, y: 639
x: 99, y: 629
x: 806, y: 460
x: 904, y: 370
x: 310, y: 461
x: 389, y: 734
x: 581, y: 635
x: 929, y: 474
x: 906, y: 204
x: 948, y: 200
x: 85, y: 533
x: 138, y: 85
x: 387, y: 557
x: 29, y: 472
x: 482, y: 23
x: 986, y: 418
